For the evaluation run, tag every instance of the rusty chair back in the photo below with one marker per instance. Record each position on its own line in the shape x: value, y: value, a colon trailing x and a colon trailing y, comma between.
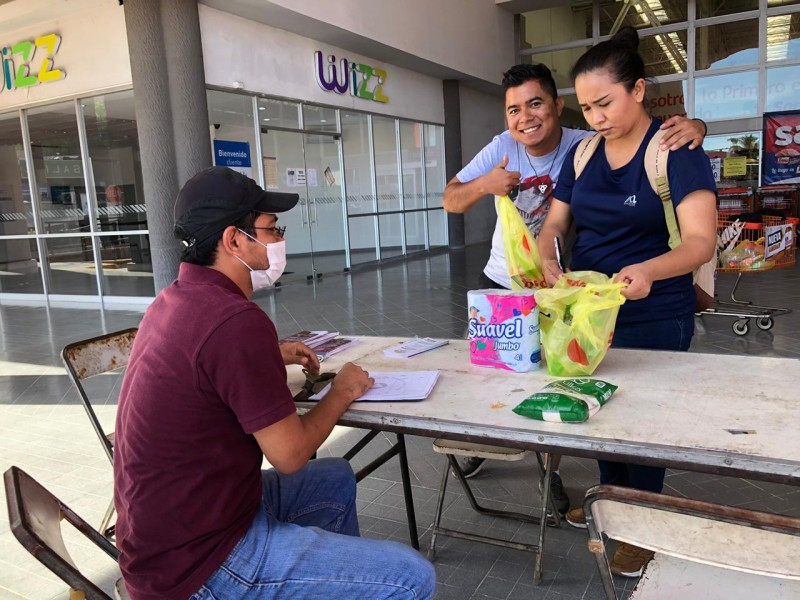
x: 105, y: 354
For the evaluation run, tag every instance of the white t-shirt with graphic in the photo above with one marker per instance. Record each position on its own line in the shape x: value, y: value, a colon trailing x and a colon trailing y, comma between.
x: 539, y: 175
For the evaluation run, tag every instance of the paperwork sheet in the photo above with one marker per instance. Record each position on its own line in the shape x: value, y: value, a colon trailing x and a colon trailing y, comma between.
x: 395, y: 386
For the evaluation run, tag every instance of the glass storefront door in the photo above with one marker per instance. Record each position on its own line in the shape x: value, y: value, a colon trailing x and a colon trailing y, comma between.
x: 308, y: 164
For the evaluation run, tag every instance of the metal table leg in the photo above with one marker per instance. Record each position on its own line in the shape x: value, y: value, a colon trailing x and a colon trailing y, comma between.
x: 398, y: 448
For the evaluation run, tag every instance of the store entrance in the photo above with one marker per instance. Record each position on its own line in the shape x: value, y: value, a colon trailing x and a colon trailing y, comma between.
x: 308, y: 164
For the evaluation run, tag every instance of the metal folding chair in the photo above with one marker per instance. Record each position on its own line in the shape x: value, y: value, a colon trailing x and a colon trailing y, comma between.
x: 89, y: 358
x: 453, y: 448
x: 35, y: 517
x: 702, y: 549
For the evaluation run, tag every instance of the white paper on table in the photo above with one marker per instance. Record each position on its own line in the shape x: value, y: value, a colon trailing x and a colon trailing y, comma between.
x: 395, y: 386
x: 414, y: 347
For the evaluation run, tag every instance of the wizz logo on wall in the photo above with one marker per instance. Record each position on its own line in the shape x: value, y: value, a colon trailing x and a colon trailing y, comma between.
x: 362, y: 81
x: 30, y: 62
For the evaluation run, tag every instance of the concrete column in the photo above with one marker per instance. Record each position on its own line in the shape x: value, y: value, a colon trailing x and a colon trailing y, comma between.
x: 171, y: 114
x: 452, y: 153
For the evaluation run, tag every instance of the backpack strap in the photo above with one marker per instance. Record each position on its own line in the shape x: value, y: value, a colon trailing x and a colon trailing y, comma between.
x: 586, y: 148
x: 655, y: 164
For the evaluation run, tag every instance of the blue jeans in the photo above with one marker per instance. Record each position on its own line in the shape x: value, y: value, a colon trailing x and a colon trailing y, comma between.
x: 668, y: 334
x: 304, y: 543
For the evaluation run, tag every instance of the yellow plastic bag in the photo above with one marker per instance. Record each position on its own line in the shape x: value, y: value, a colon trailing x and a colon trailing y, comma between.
x: 522, y: 254
x: 576, y: 319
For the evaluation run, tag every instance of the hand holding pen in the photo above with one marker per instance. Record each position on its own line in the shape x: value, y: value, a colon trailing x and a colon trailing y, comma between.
x: 557, y: 243
x: 554, y: 269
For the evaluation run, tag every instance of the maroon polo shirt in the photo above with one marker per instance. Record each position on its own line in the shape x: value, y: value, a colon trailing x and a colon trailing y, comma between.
x: 205, y: 373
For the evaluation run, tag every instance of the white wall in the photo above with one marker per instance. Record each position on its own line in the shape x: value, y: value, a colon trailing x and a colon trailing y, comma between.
x: 93, y: 51
x: 273, y: 61
x: 482, y: 118
x: 474, y: 37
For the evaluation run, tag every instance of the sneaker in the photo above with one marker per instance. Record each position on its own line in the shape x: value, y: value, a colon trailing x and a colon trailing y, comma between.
x: 471, y: 465
x: 630, y: 560
x: 559, y: 494
x: 576, y: 518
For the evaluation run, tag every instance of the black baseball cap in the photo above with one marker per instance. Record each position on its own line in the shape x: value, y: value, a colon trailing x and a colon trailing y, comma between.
x: 217, y: 197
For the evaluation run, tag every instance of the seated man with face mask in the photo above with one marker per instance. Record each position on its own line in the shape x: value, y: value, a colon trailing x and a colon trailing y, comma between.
x: 205, y: 399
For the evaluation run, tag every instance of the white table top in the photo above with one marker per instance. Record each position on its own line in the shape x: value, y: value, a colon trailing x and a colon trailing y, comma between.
x: 671, y: 408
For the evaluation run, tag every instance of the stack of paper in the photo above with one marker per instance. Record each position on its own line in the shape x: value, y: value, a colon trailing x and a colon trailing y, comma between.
x: 333, y: 346
x: 312, y: 339
x: 414, y: 347
x: 395, y: 386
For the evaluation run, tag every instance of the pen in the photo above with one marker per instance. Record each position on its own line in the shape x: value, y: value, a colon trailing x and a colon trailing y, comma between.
x: 558, y: 254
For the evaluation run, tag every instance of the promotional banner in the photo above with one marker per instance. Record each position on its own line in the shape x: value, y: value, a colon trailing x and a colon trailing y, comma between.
x: 780, y: 161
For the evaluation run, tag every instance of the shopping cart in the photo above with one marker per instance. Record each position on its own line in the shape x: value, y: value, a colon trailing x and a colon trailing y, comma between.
x: 751, y: 248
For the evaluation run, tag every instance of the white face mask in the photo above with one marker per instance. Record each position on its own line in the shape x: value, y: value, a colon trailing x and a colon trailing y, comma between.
x: 276, y: 257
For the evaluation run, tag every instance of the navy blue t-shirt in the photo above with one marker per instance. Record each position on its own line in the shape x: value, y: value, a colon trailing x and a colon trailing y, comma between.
x: 620, y: 221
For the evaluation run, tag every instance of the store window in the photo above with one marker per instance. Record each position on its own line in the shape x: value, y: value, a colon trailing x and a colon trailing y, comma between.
x: 715, y: 8
x: 411, y: 156
x: 231, y: 119
x: 735, y: 162
x: 357, y: 167
x: 319, y: 118
x: 640, y: 15
x: 726, y: 96
x: 664, y: 54
x: 415, y: 231
x: 733, y: 44
x: 434, y: 165
x: 391, y: 232
x: 363, y: 239
x: 666, y: 99
x: 385, y: 144
x: 278, y: 113
x: 783, y: 37
x: 437, y: 228
x: 773, y: 3
x: 556, y: 25
x: 63, y: 201
x: 20, y: 272
x: 433, y: 140
x: 783, y: 88
x: 560, y: 63
x: 113, y: 145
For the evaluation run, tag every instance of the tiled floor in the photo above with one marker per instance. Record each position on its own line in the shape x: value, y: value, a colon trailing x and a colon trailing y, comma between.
x: 44, y: 430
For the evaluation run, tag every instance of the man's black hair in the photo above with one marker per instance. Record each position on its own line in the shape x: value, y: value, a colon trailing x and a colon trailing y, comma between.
x: 205, y: 253
x: 519, y: 74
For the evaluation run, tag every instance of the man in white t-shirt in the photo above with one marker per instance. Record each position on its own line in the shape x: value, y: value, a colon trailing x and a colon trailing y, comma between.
x: 524, y: 162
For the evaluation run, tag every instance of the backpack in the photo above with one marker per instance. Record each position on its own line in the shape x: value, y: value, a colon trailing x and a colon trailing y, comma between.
x: 655, y: 164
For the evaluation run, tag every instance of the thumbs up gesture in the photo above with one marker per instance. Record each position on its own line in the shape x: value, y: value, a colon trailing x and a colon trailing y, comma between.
x: 499, y: 181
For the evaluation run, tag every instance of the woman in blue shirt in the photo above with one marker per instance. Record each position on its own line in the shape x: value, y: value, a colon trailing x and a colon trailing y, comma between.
x: 621, y: 228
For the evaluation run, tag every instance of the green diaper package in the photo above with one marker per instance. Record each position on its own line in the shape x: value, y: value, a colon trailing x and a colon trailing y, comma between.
x: 567, y: 400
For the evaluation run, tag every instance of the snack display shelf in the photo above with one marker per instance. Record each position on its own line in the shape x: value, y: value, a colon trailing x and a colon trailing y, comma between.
x: 731, y: 201
x: 781, y: 198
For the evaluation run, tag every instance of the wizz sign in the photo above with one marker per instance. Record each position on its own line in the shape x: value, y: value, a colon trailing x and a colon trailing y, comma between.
x: 20, y: 63
x: 363, y: 81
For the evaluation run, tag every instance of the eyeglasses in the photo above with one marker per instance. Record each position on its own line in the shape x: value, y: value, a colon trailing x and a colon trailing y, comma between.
x: 279, y: 231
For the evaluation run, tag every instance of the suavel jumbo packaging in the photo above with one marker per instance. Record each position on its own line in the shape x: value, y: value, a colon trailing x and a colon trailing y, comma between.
x: 503, y: 329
